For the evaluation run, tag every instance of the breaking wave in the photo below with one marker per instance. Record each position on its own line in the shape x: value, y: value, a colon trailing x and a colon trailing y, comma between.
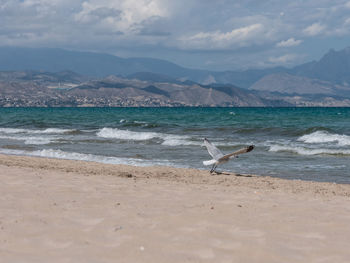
x: 325, y: 137
x: 168, y: 139
x: 12, y: 130
x: 307, y: 151
x: 127, y: 135
x: 36, y: 137
x: 29, y: 131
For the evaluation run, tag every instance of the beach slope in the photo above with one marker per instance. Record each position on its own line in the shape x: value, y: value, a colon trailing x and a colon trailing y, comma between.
x: 73, y: 211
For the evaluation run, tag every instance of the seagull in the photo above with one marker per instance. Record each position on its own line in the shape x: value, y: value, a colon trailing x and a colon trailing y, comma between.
x: 219, y: 157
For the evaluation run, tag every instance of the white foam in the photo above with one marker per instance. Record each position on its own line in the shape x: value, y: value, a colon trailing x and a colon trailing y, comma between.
x: 325, y: 137
x: 6, y: 137
x: 12, y: 130
x: 64, y: 155
x: 29, y: 131
x: 52, y: 131
x: 37, y: 140
x: 114, y: 133
x: 168, y: 139
x: 59, y: 154
x: 126, y: 135
x: 29, y: 140
x: 307, y: 151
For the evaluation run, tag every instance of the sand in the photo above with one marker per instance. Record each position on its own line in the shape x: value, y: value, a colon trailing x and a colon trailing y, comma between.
x: 73, y: 211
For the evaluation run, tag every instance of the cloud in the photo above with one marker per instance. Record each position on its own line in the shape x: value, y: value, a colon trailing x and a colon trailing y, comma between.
x: 103, y: 12
x: 121, y: 15
x: 243, y: 36
x: 314, y: 29
x: 291, y: 42
x: 91, y: 15
x: 188, y: 31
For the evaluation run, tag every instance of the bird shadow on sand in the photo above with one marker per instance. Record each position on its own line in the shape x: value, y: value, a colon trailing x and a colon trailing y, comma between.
x: 233, y: 174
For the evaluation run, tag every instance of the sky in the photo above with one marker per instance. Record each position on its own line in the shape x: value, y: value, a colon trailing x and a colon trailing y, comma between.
x: 204, y: 34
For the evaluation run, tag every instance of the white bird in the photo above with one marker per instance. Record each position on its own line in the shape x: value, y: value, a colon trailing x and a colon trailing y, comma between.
x: 219, y: 157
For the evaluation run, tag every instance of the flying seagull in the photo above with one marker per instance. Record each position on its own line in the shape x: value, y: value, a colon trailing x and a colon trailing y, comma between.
x: 219, y: 157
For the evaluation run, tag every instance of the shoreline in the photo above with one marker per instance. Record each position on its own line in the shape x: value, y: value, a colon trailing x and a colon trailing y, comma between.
x: 184, y: 175
x: 55, y: 210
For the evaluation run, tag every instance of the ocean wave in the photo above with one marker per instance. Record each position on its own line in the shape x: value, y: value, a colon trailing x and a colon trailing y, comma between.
x: 30, y: 131
x: 307, y: 151
x: 180, y: 142
x: 139, y: 124
x: 325, y: 137
x: 12, y: 130
x: 114, y: 133
x: 54, y: 131
x: 6, y: 137
x: 59, y: 154
x: 36, y: 137
x: 30, y: 139
x: 37, y: 140
x: 168, y: 139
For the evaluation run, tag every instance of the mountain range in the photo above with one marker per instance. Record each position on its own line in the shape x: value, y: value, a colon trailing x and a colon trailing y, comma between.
x: 317, y: 83
x: 47, y: 89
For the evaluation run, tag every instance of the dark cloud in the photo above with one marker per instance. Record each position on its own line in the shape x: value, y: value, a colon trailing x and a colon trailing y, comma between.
x: 154, y: 26
x: 197, y: 33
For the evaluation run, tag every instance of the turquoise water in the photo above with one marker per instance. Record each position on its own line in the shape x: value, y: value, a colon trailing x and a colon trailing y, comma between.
x: 295, y: 143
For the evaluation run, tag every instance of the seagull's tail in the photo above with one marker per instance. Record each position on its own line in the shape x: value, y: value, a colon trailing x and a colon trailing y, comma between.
x: 210, y: 162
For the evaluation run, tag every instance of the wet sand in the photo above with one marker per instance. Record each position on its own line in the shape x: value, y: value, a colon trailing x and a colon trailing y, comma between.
x: 73, y: 211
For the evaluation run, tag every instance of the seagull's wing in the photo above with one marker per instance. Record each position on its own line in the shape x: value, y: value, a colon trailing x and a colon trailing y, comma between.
x: 213, y: 151
x: 243, y: 150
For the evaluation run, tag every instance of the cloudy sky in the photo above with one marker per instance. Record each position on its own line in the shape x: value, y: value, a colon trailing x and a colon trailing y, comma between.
x: 207, y: 34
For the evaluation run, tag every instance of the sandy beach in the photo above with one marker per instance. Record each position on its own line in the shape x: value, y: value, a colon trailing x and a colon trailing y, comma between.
x: 72, y: 211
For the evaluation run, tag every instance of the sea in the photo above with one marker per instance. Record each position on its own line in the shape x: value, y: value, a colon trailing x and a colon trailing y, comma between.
x: 293, y: 143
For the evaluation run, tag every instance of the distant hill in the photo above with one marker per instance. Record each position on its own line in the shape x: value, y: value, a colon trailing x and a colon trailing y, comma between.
x: 87, y: 63
x: 289, y: 84
x: 149, y: 76
x: 102, y: 65
x: 34, y: 88
x: 333, y: 67
x: 50, y: 89
x: 170, y: 93
x: 330, y: 75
